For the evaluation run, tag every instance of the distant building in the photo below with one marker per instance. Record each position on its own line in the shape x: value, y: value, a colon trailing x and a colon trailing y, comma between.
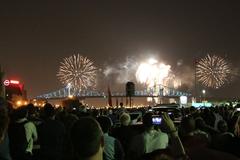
x: 15, y: 92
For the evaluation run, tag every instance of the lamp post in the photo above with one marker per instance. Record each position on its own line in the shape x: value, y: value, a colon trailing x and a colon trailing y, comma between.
x: 195, y: 79
x: 204, y: 93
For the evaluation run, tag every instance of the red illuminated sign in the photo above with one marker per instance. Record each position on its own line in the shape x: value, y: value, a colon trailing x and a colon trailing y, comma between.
x: 14, y: 82
x: 6, y: 83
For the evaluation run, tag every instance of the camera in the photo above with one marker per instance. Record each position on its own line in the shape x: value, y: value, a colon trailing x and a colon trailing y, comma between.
x: 156, y: 120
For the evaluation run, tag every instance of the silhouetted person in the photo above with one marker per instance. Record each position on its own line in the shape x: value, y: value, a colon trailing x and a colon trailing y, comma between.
x: 4, y: 140
x: 224, y: 138
x: 51, y: 135
x: 148, y: 141
x: 22, y: 134
x: 124, y: 133
x: 87, y: 139
x: 113, y: 149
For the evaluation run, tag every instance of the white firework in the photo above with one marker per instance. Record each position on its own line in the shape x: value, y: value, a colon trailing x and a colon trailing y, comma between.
x: 78, y: 71
x: 152, y: 73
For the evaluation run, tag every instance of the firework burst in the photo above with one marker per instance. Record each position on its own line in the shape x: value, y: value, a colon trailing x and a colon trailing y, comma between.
x: 213, y: 71
x: 78, y: 71
x: 152, y: 73
x: 156, y: 76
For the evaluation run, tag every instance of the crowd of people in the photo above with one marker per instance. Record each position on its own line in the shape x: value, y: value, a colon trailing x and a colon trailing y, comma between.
x: 77, y: 133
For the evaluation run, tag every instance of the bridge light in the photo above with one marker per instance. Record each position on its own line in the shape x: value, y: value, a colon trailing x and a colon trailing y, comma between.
x: 149, y: 99
x: 19, y: 103
x: 70, y: 96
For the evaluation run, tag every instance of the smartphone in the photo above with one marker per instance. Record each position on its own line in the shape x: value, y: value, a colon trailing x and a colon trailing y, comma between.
x: 156, y: 120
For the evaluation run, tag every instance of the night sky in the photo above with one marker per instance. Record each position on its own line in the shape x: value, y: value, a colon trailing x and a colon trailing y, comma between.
x: 35, y: 36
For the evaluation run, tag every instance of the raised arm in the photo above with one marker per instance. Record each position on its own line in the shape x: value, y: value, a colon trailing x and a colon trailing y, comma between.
x: 177, y: 147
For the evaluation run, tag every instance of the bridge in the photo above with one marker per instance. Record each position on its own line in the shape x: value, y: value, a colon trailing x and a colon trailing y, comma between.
x: 66, y: 92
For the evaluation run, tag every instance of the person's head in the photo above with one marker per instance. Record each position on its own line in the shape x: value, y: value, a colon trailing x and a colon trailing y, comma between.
x: 4, y: 119
x: 192, y: 109
x: 121, y: 104
x: 21, y: 112
x: 188, y: 125
x: 48, y: 110
x: 147, y: 120
x: 125, y: 119
x: 200, y: 123
x: 105, y: 123
x: 87, y: 139
x: 222, y: 126
x: 31, y: 110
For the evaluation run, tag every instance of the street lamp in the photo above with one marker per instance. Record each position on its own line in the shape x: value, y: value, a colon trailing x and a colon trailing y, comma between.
x: 203, y: 92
